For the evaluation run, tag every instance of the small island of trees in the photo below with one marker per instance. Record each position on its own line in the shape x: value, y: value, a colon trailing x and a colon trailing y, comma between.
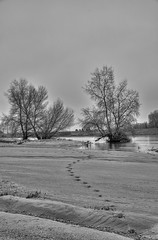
x: 115, y: 106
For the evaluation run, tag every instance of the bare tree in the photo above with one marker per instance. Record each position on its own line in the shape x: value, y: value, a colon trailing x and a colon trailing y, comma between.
x: 27, y: 103
x: 17, y: 95
x: 29, y: 111
x: 116, y: 107
x: 37, y: 109
x: 55, y: 119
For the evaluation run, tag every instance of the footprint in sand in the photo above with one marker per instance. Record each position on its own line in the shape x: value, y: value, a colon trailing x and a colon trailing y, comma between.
x: 77, y: 179
x: 96, y: 190
x: 85, y: 183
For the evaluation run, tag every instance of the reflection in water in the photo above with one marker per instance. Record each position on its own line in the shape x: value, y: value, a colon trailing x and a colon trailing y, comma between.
x: 117, y: 146
x: 138, y: 143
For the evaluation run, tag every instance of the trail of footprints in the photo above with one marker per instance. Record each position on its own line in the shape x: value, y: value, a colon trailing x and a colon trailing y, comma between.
x: 87, y: 185
x: 78, y: 178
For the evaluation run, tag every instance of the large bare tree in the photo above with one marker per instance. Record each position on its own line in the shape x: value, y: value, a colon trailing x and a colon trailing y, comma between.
x: 27, y: 103
x: 30, y: 112
x: 115, y: 106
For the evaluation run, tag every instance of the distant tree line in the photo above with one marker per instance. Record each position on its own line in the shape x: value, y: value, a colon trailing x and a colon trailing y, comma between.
x: 30, y: 113
x: 152, y: 121
x: 140, y: 125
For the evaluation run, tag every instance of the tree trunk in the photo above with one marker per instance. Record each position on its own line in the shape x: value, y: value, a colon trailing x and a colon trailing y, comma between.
x: 35, y: 132
x: 25, y: 136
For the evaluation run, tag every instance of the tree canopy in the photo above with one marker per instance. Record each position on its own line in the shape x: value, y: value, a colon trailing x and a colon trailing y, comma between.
x: 30, y: 113
x: 153, y: 119
x: 115, y: 106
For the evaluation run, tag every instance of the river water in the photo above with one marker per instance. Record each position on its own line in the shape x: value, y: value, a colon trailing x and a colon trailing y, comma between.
x: 138, y: 143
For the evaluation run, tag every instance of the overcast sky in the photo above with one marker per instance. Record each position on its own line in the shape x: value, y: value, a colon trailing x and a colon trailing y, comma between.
x: 58, y: 43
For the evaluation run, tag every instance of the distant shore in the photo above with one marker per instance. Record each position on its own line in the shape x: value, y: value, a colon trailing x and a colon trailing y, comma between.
x: 80, y: 133
x: 135, y: 132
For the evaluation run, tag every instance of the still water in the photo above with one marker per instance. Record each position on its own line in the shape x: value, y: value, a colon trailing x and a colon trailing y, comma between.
x: 138, y: 143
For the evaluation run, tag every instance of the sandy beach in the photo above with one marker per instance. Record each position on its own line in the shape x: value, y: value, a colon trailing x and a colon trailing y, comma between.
x: 89, y: 194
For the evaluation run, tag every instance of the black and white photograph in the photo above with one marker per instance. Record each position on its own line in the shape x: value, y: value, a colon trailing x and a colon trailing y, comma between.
x: 78, y: 119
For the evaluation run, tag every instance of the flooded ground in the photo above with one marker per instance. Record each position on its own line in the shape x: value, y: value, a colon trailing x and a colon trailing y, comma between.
x: 137, y: 144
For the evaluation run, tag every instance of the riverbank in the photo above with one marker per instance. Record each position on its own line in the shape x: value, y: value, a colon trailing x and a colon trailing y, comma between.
x: 146, y: 131
x: 102, y: 190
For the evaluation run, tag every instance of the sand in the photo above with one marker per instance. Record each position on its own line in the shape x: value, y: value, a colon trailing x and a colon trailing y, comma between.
x: 19, y: 227
x: 102, y: 191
